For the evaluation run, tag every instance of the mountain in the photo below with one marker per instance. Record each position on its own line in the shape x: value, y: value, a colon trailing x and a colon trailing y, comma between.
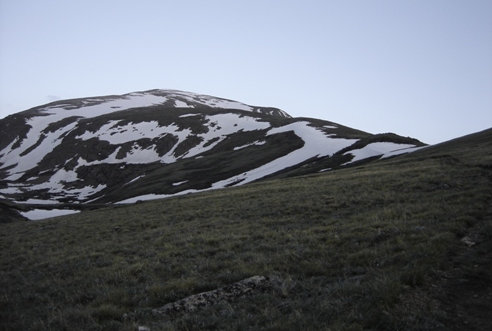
x: 159, y: 143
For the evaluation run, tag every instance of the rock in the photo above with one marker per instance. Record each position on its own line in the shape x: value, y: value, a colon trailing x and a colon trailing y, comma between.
x: 468, y: 241
x: 205, y: 299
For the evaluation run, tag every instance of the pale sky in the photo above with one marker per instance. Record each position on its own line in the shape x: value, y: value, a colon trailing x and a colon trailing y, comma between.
x: 419, y: 68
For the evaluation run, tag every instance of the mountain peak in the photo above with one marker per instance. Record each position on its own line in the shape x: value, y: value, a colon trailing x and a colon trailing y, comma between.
x: 96, y: 106
x: 159, y: 143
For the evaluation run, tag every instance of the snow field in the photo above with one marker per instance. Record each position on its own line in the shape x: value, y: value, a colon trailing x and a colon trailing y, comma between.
x: 38, y: 202
x: 152, y: 196
x: 182, y: 104
x: 120, y: 134
x: 219, y: 126
x: 53, y: 114
x: 222, y: 125
x: 385, y: 149
x: 57, y: 113
x: 39, y: 214
x: 316, y: 144
x: 402, y: 151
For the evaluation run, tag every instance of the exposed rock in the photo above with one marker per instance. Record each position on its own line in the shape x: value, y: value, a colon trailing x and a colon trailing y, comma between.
x: 205, y: 299
x: 468, y: 241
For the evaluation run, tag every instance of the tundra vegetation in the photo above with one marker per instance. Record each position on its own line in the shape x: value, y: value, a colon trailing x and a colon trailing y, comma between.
x: 397, y: 244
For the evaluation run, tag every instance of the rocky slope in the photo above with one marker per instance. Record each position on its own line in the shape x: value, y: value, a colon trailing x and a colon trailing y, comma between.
x: 159, y: 143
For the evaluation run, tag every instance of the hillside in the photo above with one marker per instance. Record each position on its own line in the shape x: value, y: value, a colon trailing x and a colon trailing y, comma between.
x: 69, y: 154
x: 395, y: 244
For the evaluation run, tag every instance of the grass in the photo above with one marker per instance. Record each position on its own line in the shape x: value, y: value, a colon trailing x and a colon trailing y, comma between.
x: 373, y: 247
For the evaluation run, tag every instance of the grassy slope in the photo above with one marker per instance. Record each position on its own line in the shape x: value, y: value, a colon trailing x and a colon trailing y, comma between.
x: 373, y: 247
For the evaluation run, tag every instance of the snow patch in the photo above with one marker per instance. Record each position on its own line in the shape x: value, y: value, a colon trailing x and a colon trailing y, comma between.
x: 85, y: 192
x: 39, y: 214
x: 402, y: 151
x: 55, y: 183
x: 206, y: 100
x: 48, y: 142
x: 10, y: 190
x: 222, y: 125
x: 116, y: 134
x: 227, y: 104
x: 38, y: 202
x: 153, y: 196
x: 119, y: 134
x: 182, y: 104
x: 377, y: 149
x: 256, y: 143
x: 134, y: 179
x: 316, y: 144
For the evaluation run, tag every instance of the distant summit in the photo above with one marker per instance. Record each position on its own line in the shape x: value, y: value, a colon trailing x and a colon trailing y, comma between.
x: 159, y: 143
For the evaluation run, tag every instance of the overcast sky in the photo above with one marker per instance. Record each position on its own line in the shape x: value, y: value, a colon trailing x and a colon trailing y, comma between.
x: 420, y: 68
